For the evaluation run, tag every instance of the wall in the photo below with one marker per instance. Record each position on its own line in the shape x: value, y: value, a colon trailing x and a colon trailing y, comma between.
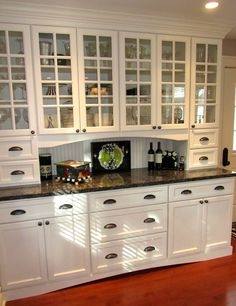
x: 229, y: 47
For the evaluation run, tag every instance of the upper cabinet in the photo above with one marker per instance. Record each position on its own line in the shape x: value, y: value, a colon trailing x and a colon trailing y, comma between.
x: 56, y: 75
x: 173, y: 82
x: 206, y: 57
x: 16, y: 81
x: 98, y: 82
x: 137, y: 81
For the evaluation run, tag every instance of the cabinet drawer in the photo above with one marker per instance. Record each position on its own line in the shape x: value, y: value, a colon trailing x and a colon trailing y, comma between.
x: 19, y: 172
x: 126, y: 198
x: 20, y: 148
x: 201, y: 189
x: 203, y: 158
x: 203, y: 138
x: 126, y: 255
x: 121, y: 224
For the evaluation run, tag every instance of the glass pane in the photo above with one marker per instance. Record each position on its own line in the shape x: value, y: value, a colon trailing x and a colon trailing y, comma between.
x: 166, y: 90
x: 49, y: 101
x: 64, y: 74
x: 145, y: 115
x: 201, y: 68
x: 63, y: 44
x: 199, y: 114
x: 145, y: 65
x: 167, y: 66
x: 131, y: 90
x: 5, y: 119
x: 92, y: 116
x: 166, y: 114
x: 91, y: 100
x: 91, y: 74
x: 4, y: 92
x: 200, y: 92
x: 18, y: 73
x: 179, y: 72
x: 179, y: 94
x: 130, y: 48
x: 50, y: 118
x: 16, y: 42
x: 19, y: 91
x: 167, y: 50
x: 63, y: 62
x: 131, y: 100
x: 211, y: 92
x: 212, y: 53
x: 131, y: 65
x: 211, y: 74
x: 91, y: 89
x: 131, y: 115
x: 47, y: 62
x: 166, y: 99
x: 105, y: 63
x: 106, y: 75
x: 90, y: 45
x: 90, y: 63
x: 107, y: 116
x: 145, y: 49
x: 200, y: 77
x: 145, y: 76
x: 49, y: 89
x: 21, y: 118
x: 65, y: 101
x: 105, y: 48
x: 3, y: 49
x: 48, y: 73
x: 3, y: 61
x: 4, y: 73
x: 67, y: 118
x: 131, y: 75
x: 180, y: 51
x: 210, y: 114
x: 145, y: 100
x: 46, y: 44
x: 107, y: 100
x: 178, y: 114
x: 166, y: 76
x: 145, y: 90
x: 106, y: 90
x: 201, y: 53
x: 65, y: 89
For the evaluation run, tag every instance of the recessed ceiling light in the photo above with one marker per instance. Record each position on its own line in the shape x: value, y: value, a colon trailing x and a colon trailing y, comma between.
x: 210, y: 5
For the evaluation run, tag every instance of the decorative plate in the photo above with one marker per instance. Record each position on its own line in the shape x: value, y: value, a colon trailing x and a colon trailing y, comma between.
x: 110, y: 156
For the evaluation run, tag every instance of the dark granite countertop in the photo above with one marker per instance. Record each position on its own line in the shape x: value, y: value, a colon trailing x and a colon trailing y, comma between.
x: 99, y: 182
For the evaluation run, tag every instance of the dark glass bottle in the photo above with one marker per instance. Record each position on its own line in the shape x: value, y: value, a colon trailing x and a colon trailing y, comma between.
x: 151, y: 158
x: 158, y: 158
x: 45, y: 161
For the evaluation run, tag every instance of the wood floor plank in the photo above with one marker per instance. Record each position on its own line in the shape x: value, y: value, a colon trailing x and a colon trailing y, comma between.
x: 210, y: 283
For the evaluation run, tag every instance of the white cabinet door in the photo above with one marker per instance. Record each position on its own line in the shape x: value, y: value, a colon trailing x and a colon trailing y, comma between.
x: 186, y: 231
x: 138, y: 81
x: 17, y: 114
x: 56, y: 79
x: 219, y: 221
x: 67, y: 246
x: 205, y: 80
x: 22, y: 254
x: 173, y: 81
x: 98, y: 69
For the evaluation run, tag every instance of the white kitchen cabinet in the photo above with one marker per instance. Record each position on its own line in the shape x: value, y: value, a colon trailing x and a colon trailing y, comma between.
x: 137, y: 81
x: 56, y: 79
x: 205, y: 82
x: 22, y: 254
x: 98, y: 69
x: 173, y: 81
x: 186, y: 228
x: 17, y: 112
x: 67, y: 248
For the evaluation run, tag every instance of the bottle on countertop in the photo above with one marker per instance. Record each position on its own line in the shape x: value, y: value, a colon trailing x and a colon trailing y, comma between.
x: 158, y: 157
x: 181, y: 163
x: 151, y: 158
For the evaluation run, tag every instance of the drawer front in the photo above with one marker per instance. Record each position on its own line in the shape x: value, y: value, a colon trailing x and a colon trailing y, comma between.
x: 126, y: 255
x: 19, y: 172
x: 201, y: 189
x: 200, y: 139
x: 203, y: 158
x: 126, y: 198
x: 121, y: 224
x: 20, y: 148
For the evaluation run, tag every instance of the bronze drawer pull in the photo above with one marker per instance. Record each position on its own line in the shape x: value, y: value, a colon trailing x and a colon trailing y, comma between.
x: 203, y: 158
x: 186, y: 191
x: 109, y: 201
x: 219, y: 188
x: 18, y: 212
x: 111, y: 256
x: 66, y: 206
x: 149, y: 197
x: 17, y: 172
x: 149, y: 220
x: 149, y: 249
x: 110, y: 226
x: 204, y: 139
x: 15, y: 149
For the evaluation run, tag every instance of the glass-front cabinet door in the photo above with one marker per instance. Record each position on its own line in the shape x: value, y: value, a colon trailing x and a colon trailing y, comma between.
x: 137, y: 78
x: 173, y: 81
x: 206, y: 54
x: 16, y: 81
x: 98, y: 69
x: 56, y: 79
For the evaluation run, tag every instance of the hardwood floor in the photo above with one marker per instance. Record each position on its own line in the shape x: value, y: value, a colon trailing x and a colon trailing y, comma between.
x: 211, y: 283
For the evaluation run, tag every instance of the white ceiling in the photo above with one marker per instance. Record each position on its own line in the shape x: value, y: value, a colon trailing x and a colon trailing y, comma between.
x: 184, y: 9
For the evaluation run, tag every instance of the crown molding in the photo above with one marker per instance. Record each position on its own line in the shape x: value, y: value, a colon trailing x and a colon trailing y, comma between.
x: 41, y: 14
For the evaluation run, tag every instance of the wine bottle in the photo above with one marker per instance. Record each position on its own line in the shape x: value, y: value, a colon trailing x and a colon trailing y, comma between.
x: 158, y: 156
x: 151, y: 158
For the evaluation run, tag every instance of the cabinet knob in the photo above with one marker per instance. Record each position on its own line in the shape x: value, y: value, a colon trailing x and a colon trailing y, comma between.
x: 193, y: 126
x: 47, y: 222
x: 206, y: 201
x: 149, y: 249
x: 204, y: 139
x: 111, y: 256
x: 186, y: 191
x: 110, y: 226
x: 159, y: 127
x: 149, y: 220
x: 201, y: 202
x: 84, y: 130
x: 40, y: 223
x: 15, y: 149
x: 149, y: 197
x: 109, y: 201
x: 66, y: 206
x: 77, y: 131
x: 18, y: 212
x: 32, y: 132
x: 219, y: 188
x: 17, y: 172
x: 154, y: 127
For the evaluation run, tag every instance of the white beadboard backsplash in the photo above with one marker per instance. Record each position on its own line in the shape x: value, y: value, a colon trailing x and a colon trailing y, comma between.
x: 81, y: 150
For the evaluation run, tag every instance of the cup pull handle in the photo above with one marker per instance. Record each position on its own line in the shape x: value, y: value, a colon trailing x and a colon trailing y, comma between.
x: 149, y: 197
x: 110, y: 226
x: 111, y: 256
x: 149, y: 249
x: 149, y: 220
x: 202, y: 158
x: 204, y: 139
x: 18, y: 212
x: 15, y: 149
x: 17, y: 172
x: 66, y: 206
x: 186, y: 191
x: 219, y: 188
x: 109, y: 201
